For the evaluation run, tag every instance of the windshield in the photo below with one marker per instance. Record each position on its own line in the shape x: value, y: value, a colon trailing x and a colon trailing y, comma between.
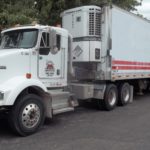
x: 26, y: 38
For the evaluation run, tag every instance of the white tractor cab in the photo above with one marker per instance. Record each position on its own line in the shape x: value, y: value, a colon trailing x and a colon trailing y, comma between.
x: 33, y: 75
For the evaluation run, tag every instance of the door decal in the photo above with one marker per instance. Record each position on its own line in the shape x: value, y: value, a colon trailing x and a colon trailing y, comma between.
x: 50, y: 69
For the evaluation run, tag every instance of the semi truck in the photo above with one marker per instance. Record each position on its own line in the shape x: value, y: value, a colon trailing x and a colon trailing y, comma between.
x: 101, y: 54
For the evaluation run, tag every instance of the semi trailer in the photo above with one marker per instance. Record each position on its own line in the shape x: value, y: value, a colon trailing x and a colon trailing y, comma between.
x: 101, y: 54
x: 110, y: 53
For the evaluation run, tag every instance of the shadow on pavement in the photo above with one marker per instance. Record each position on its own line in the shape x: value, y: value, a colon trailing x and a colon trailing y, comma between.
x: 5, y: 129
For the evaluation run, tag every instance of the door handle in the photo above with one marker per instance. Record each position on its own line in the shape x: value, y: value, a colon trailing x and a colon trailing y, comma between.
x: 58, y: 71
x: 40, y: 57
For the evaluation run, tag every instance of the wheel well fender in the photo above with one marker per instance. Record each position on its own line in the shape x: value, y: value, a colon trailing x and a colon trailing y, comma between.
x: 17, y: 86
x: 46, y: 98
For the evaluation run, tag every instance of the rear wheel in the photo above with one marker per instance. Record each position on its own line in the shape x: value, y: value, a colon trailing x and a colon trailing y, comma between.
x: 27, y: 115
x: 111, y: 97
x: 124, y: 94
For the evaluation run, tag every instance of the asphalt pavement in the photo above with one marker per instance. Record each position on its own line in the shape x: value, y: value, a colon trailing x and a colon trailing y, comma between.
x: 125, y: 128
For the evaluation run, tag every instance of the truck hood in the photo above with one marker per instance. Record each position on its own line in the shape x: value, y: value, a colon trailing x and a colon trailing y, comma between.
x: 13, y: 62
x: 4, y: 52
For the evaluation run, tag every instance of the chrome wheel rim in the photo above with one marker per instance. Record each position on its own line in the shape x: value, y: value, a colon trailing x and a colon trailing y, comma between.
x: 126, y: 95
x: 30, y: 115
x: 112, y: 97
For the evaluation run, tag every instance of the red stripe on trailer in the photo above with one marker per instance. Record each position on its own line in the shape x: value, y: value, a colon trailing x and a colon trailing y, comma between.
x: 123, y: 62
x: 131, y: 67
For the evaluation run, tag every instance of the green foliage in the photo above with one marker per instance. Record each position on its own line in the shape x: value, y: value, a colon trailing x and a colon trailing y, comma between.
x: 17, y: 12
x: 14, y: 12
x: 127, y: 4
x: 43, y: 8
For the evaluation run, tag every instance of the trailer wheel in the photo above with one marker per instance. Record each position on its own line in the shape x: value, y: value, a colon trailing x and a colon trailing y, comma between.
x: 124, y: 94
x: 111, y: 97
x: 27, y: 115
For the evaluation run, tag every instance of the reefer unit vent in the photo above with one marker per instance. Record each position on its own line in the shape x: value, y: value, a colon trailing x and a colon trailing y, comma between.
x: 83, y: 21
x: 94, y: 22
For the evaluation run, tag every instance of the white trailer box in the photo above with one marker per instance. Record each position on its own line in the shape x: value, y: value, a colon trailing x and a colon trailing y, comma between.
x: 130, y: 45
x: 109, y: 43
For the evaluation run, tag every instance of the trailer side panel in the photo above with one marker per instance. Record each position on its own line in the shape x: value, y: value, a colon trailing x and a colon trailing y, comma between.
x: 130, y: 45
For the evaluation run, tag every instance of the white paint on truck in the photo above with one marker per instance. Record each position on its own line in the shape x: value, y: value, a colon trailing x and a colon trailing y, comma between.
x: 102, y: 53
x: 116, y: 40
x: 33, y: 70
x: 130, y: 43
x: 115, y: 53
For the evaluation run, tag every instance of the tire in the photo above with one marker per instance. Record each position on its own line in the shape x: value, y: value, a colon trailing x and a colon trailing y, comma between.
x: 111, y: 97
x: 27, y: 115
x: 124, y: 94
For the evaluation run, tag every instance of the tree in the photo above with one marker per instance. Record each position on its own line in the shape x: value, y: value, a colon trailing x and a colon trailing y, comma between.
x: 47, y: 11
x: 17, y: 12
x: 127, y: 4
x: 43, y: 8
x: 61, y: 5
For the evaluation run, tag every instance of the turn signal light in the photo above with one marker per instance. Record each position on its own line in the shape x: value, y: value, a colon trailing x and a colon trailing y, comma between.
x: 28, y: 75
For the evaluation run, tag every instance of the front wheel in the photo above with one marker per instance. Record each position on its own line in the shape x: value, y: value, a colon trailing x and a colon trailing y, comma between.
x: 27, y: 115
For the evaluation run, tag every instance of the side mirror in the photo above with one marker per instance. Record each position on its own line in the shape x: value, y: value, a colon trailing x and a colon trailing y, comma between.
x: 55, y: 42
x: 52, y: 39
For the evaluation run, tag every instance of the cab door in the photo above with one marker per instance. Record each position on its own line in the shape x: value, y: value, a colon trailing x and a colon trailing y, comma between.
x: 51, y: 60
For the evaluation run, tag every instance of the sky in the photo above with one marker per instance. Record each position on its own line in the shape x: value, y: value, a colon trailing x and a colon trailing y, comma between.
x: 144, y: 9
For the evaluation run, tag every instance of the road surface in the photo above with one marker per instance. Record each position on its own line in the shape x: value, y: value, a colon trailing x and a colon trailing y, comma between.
x: 125, y: 128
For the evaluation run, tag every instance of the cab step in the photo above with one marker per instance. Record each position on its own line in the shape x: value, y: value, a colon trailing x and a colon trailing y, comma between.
x: 62, y: 110
x: 62, y: 101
